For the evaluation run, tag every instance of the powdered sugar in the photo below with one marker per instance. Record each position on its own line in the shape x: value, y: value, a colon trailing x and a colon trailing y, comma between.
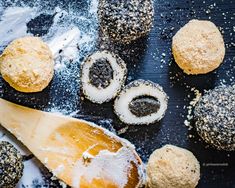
x: 108, y: 170
x: 67, y: 42
x: 71, y: 35
x: 12, y: 18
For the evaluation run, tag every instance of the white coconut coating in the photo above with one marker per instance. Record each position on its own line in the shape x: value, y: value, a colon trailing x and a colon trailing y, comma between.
x: 100, y: 94
x: 136, y: 89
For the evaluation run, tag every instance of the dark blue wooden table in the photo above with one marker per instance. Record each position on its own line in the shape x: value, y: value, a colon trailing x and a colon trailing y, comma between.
x: 150, y: 58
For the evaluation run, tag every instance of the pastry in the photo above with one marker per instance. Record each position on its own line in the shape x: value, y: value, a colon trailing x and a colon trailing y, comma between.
x: 27, y: 64
x: 141, y: 102
x: 11, y: 165
x: 172, y: 167
x: 214, y: 117
x: 126, y: 20
x: 198, y: 47
x: 102, y: 76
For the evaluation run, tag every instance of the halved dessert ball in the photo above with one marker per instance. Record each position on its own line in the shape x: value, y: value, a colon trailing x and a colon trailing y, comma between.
x: 102, y: 76
x: 141, y: 102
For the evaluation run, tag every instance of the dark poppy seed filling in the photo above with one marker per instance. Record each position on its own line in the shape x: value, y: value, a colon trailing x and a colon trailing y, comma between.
x: 101, y: 73
x: 141, y: 102
x: 144, y: 105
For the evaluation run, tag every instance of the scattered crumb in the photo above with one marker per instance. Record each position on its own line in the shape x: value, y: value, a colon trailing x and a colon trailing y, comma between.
x: 190, y: 108
x: 122, y: 130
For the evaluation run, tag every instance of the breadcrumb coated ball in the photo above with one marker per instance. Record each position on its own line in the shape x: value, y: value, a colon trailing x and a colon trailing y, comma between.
x: 11, y: 165
x: 27, y: 64
x: 125, y: 20
x: 198, y: 47
x: 172, y: 167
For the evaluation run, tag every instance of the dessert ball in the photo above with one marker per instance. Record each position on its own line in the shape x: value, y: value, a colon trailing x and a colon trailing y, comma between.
x: 172, y: 167
x: 214, y: 116
x: 198, y: 47
x: 125, y: 20
x: 141, y: 102
x: 27, y: 64
x: 103, y: 74
x: 11, y: 165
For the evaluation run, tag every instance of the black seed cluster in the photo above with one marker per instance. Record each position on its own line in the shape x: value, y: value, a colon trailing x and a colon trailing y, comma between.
x: 125, y: 20
x: 144, y: 105
x: 11, y: 165
x: 215, y: 117
x: 101, y: 73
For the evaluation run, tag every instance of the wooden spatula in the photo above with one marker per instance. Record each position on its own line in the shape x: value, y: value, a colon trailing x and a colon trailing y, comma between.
x: 80, y: 153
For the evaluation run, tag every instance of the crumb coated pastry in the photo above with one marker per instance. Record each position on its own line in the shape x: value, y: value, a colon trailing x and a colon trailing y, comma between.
x: 27, y: 64
x: 102, y: 76
x: 198, y: 47
x: 141, y: 102
x: 214, y: 117
x: 125, y: 20
x: 172, y: 167
x: 11, y: 165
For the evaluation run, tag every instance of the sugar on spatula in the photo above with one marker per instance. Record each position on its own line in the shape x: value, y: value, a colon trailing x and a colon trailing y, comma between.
x: 78, y: 152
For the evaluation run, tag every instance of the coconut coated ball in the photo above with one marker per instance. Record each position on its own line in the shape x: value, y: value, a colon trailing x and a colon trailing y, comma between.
x: 172, y: 167
x: 27, y: 64
x: 198, y: 47
x: 214, y: 116
x: 125, y: 20
x: 11, y: 165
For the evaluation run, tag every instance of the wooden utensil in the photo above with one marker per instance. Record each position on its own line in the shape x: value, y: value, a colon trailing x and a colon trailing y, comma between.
x: 78, y: 152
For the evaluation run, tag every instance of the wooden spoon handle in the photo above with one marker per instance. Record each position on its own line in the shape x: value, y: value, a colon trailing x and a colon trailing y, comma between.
x: 78, y: 152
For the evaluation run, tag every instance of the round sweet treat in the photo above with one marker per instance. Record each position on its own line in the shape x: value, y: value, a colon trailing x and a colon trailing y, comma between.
x: 172, y: 167
x: 198, y: 47
x: 141, y: 102
x: 125, y: 20
x: 102, y: 76
x: 214, y: 116
x: 11, y: 165
x: 27, y: 64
